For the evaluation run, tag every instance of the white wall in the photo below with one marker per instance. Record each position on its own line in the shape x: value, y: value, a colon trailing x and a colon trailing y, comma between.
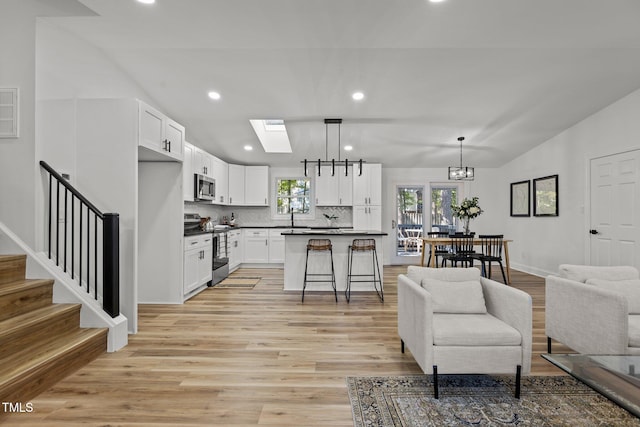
x: 17, y: 69
x: 68, y: 71
x: 542, y: 243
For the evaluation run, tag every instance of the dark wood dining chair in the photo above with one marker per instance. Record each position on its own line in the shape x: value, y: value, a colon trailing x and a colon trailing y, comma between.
x: 491, y: 252
x: 441, y: 249
x: 460, y: 251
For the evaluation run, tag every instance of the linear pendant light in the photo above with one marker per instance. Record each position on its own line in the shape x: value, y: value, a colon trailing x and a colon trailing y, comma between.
x: 461, y: 173
x: 332, y: 162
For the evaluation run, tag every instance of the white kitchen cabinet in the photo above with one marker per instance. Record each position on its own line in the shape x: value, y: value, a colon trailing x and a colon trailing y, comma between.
x: 235, y: 249
x: 256, y: 186
x: 367, y: 188
x: 203, y: 163
x: 187, y: 173
x: 162, y: 137
x: 221, y: 176
x: 367, y: 197
x: 276, y: 245
x: 198, y: 261
x: 367, y: 218
x: 255, y: 245
x: 236, y: 184
x: 336, y: 189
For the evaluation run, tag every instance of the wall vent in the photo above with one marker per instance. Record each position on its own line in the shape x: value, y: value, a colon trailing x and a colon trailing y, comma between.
x: 9, y: 113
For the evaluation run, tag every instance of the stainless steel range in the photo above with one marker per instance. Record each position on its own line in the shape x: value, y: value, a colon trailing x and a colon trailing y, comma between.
x: 195, y: 224
x: 220, y: 256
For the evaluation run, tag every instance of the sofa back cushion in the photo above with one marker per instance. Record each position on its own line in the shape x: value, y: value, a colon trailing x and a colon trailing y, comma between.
x: 463, y: 297
x: 582, y: 273
x: 629, y: 288
x: 417, y: 274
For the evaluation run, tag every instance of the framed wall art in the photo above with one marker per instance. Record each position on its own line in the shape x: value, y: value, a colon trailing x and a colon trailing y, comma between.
x: 545, y: 193
x: 520, y: 198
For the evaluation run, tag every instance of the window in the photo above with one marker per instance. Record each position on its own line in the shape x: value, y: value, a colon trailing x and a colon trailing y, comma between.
x: 442, y: 196
x: 293, y: 195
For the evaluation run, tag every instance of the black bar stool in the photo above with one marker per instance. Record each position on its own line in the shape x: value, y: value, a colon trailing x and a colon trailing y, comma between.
x: 364, y: 245
x: 320, y: 245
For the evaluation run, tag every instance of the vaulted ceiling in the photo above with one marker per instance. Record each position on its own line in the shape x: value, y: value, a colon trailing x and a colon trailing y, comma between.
x: 506, y: 74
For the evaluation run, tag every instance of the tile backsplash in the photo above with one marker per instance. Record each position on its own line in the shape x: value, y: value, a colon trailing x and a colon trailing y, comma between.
x: 261, y: 216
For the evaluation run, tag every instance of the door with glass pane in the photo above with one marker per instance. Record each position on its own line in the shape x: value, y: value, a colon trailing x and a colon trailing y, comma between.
x: 441, y: 215
x: 409, y: 222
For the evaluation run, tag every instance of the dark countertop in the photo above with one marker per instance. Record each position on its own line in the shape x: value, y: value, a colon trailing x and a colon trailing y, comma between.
x: 332, y: 232
x: 302, y: 227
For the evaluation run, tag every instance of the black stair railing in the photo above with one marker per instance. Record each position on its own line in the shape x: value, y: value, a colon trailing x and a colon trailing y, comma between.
x: 84, y: 241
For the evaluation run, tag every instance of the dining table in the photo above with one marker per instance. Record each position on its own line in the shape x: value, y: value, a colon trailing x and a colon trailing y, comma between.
x: 435, y: 241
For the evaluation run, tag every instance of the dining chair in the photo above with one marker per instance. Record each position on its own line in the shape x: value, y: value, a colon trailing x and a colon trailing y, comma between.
x: 402, y: 239
x: 491, y: 252
x: 460, y: 250
x: 414, y: 238
x: 440, y: 249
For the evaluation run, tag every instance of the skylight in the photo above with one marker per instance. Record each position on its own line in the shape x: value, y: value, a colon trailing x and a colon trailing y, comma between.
x: 272, y: 134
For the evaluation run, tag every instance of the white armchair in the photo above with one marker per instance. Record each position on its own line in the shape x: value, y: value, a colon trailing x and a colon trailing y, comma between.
x: 455, y: 322
x: 594, y: 310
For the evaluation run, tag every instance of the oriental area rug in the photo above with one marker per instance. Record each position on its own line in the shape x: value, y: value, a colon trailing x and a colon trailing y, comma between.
x: 481, y: 400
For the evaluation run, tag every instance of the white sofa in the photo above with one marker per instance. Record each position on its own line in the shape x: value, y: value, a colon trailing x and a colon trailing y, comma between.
x: 456, y: 322
x: 594, y: 310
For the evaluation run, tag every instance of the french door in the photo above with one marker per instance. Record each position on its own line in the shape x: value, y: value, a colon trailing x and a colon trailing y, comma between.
x: 409, y: 222
x: 615, y: 210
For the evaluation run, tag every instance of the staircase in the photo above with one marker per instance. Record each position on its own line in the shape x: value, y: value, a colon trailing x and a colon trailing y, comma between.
x: 40, y: 342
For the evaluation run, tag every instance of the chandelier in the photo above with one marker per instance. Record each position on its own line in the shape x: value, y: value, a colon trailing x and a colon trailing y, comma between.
x: 461, y: 173
x: 333, y: 162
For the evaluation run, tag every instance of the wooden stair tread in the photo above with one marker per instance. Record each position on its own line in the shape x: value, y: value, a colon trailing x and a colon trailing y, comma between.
x: 21, y: 285
x: 59, y: 348
x: 44, y: 314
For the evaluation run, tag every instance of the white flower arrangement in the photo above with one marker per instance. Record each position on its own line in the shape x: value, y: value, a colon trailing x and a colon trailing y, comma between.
x: 467, y: 209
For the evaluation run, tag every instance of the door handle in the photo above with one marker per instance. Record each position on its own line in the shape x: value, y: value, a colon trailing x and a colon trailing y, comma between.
x: 594, y: 232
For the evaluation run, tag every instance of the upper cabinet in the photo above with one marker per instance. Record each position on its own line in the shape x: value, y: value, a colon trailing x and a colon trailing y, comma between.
x: 236, y: 184
x: 203, y: 163
x: 221, y: 176
x: 256, y: 186
x: 334, y: 189
x: 161, y: 137
x: 367, y: 187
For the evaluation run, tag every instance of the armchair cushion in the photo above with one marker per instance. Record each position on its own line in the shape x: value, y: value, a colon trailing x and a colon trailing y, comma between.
x: 581, y: 273
x: 634, y: 330
x: 473, y: 330
x: 629, y: 288
x: 455, y: 297
x: 417, y: 274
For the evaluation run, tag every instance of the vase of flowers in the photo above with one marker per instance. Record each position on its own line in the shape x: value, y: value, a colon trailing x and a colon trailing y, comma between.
x: 467, y: 210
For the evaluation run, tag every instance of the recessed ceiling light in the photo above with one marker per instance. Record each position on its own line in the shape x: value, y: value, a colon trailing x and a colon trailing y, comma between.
x: 357, y: 96
x: 248, y: 147
x: 147, y: 1
x: 348, y: 148
x: 214, y: 95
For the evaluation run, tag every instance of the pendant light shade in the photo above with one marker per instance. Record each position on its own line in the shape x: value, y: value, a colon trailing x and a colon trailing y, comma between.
x: 333, y: 162
x: 461, y: 173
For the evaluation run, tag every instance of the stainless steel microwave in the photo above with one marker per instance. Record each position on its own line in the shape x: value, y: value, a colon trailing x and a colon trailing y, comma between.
x: 204, y: 188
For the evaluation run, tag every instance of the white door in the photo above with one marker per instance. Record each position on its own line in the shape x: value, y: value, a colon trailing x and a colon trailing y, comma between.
x: 615, y: 210
x: 408, y: 224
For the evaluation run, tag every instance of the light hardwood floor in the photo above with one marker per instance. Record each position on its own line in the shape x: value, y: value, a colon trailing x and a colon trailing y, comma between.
x: 248, y: 357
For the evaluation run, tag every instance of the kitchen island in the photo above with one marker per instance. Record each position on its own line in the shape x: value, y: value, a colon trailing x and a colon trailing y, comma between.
x: 296, y: 252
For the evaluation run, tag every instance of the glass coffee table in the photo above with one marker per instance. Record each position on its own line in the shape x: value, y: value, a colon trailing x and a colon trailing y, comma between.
x: 615, y: 377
